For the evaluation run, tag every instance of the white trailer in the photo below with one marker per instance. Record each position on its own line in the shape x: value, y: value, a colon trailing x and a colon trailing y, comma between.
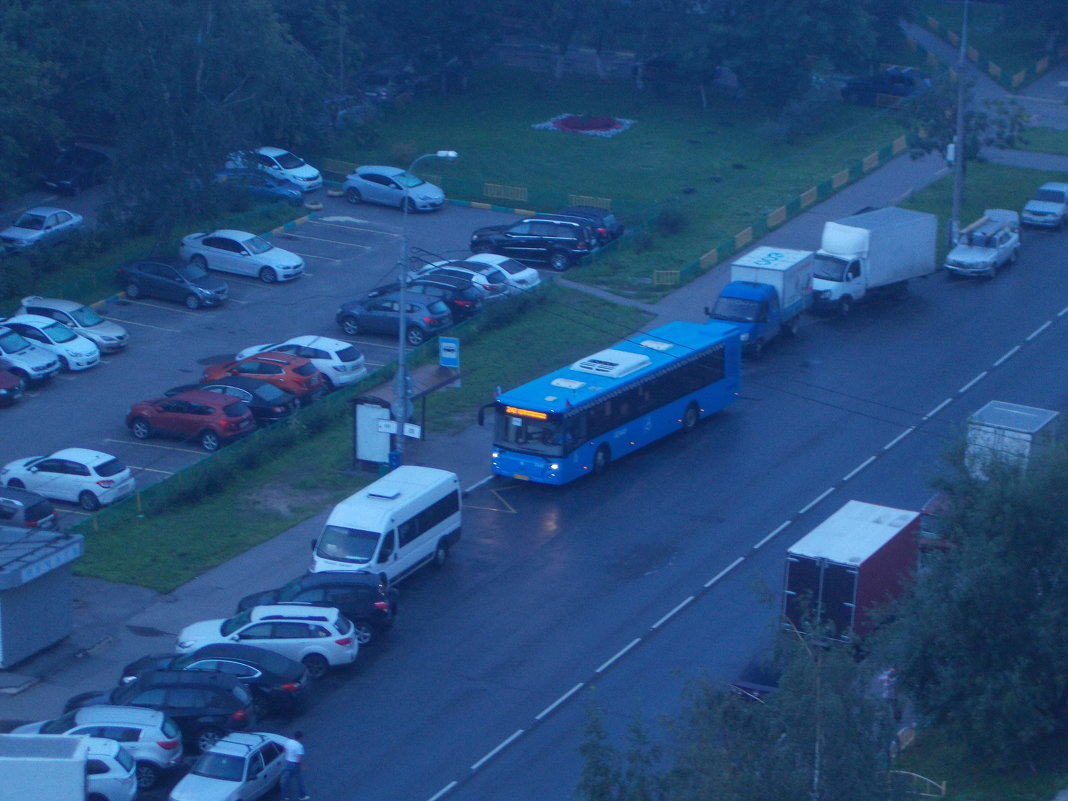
x: 43, y: 766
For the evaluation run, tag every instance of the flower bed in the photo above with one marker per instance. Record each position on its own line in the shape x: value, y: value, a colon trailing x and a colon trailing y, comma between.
x: 585, y: 124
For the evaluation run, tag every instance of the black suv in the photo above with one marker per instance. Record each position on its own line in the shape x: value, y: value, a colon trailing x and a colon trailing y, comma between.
x: 364, y: 598
x: 893, y: 82
x: 277, y: 683
x: 605, y: 223
x: 75, y: 169
x: 206, y: 705
x: 545, y: 239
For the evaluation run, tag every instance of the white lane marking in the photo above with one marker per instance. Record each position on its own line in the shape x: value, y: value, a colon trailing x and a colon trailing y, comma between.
x: 442, y: 791
x: 478, y: 484
x: 618, y: 655
x: 153, y: 445
x: 181, y: 310
x: 898, y: 438
x: 973, y: 382
x: 548, y: 710
x: 724, y: 572
x: 813, y: 502
x: 858, y: 468
x: 1007, y: 356
x: 331, y: 241
x: 152, y: 470
x: 1038, y: 330
x: 938, y: 408
x: 1063, y: 312
x: 672, y: 613
x: 772, y: 534
x: 503, y: 744
x: 314, y: 256
x: 145, y: 325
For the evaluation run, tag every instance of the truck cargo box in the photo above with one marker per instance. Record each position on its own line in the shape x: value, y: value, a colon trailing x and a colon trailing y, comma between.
x: 1008, y: 433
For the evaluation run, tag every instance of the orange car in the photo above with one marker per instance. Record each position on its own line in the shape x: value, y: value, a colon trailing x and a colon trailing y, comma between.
x: 292, y: 373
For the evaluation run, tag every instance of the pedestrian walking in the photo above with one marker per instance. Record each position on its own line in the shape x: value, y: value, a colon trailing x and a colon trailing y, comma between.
x: 294, y: 769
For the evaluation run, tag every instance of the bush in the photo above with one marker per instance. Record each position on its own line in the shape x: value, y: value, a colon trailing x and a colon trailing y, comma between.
x: 671, y: 220
x: 806, y: 115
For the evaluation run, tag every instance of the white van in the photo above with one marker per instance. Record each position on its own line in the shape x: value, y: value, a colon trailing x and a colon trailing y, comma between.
x: 406, y: 519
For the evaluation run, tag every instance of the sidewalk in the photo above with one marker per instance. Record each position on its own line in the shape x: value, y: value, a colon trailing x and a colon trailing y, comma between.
x: 115, y: 624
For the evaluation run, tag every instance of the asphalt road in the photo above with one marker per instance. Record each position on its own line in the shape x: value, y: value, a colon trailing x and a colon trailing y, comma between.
x: 347, y: 250
x: 554, y: 596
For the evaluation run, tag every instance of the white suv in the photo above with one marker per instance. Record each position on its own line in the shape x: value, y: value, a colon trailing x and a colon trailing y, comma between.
x: 109, y: 771
x: 320, y: 637
x: 150, y: 737
x: 340, y: 363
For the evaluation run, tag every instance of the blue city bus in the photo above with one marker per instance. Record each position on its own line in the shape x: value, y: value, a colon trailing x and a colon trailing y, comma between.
x: 579, y: 418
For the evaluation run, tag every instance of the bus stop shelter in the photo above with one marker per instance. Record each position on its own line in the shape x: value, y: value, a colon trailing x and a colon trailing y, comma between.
x: 36, y: 600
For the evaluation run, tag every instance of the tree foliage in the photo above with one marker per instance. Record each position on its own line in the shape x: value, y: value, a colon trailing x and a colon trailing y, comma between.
x: 981, y: 641
x: 821, y: 735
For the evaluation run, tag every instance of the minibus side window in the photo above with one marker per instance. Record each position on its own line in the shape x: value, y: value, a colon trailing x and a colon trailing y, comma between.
x: 386, y: 550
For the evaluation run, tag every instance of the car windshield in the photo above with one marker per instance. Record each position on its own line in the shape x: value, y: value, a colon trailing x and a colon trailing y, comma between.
x: 1047, y: 195
x: 31, y: 221
x: 347, y: 544
x: 86, y: 317
x: 110, y: 468
x: 226, y: 767
x: 736, y: 310
x: 829, y: 267
x: 287, y: 161
x: 192, y: 272
x: 58, y: 333
x: 61, y: 724
x: 256, y: 245
x: 231, y: 625
x: 349, y: 354
x: 407, y: 180
x: 12, y: 341
x: 511, y: 266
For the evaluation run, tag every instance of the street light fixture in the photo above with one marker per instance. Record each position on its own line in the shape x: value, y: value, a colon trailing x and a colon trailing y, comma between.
x: 402, y: 389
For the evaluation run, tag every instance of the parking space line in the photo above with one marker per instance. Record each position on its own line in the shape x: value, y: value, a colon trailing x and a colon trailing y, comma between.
x: 144, y: 325
x: 151, y: 470
x: 314, y: 256
x: 165, y: 308
x: 334, y: 242
x: 153, y: 445
x: 353, y: 228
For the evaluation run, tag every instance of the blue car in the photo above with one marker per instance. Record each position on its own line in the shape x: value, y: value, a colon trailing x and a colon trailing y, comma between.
x: 261, y: 185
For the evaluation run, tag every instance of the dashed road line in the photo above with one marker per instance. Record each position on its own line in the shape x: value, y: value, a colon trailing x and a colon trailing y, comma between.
x: 618, y: 656
x: 973, y: 382
x: 937, y: 409
x: 678, y: 608
x: 1008, y: 355
x: 724, y: 572
x: 858, y: 468
x: 500, y: 747
x: 816, y: 500
x: 898, y: 438
x: 549, y: 709
x: 442, y: 791
x: 1038, y: 330
x: 771, y: 536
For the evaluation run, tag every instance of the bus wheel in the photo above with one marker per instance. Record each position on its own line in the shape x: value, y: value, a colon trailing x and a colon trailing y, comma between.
x: 601, y: 460
x: 690, y: 417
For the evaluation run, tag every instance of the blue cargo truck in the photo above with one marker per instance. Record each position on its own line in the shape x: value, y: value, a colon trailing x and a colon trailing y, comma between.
x: 769, y: 289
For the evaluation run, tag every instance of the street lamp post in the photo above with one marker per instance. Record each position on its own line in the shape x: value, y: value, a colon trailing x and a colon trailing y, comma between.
x: 958, y: 139
x: 402, y: 382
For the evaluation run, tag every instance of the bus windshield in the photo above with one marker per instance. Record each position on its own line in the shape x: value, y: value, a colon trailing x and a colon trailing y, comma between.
x: 530, y: 435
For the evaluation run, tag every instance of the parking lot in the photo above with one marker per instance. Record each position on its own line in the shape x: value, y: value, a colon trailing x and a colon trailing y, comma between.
x: 347, y: 250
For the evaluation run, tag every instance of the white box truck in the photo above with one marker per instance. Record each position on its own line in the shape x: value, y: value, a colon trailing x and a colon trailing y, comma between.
x: 43, y: 766
x: 880, y: 249
x: 769, y: 289
x: 1006, y: 433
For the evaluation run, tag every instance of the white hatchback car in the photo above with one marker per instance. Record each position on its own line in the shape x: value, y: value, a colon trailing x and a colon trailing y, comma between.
x: 320, y: 637
x: 149, y: 736
x: 83, y: 320
x: 340, y: 363
x: 279, y: 163
x: 73, y: 351
x: 392, y: 186
x: 242, y: 766
x: 110, y: 772
x: 90, y: 478
x: 241, y: 253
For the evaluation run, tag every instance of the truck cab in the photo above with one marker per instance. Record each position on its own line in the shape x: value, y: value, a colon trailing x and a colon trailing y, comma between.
x: 754, y: 310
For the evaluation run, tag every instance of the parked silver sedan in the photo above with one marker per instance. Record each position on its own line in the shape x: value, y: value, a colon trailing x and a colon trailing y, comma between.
x: 241, y: 253
x: 39, y: 226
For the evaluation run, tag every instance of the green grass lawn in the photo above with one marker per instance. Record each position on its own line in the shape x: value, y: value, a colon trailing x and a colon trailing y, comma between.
x: 722, y: 167
x: 1046, y: 140
x: 1012, y: 44
x: 164, y: 550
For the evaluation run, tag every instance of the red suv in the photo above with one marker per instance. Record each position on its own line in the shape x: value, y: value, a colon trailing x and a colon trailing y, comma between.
x: 197, y: 415
x: 294, y: 374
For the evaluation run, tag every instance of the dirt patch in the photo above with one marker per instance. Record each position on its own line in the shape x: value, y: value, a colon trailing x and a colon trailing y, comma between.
x: 287, y: 501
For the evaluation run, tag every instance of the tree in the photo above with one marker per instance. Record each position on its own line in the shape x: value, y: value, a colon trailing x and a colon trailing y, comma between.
x: 27, y: 86
x: 821, y: 736
x: 981, y: 640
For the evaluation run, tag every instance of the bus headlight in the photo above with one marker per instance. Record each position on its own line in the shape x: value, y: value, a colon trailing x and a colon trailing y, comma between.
x: 495, y: 454
x: 554, y: 466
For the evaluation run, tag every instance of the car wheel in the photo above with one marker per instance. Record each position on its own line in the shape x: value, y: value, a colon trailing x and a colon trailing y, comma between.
x: 17, y: 483
x: 147, y: 775
x: 415, y: 336
x: 350, y: 326
x: 690, y: 417
x: 411, y: 206
x: 89, y: 501
x: 756, y: 351
x: 199, y: 260
x: 140, y: 428
x: 441, y: 554
x: 559, y: 262
x: 24, y: 381
x: 793, y: 326
x: 192, y: 302
x: 353, y: 196
x: 133, y: 291
x: 364, y: 632
x: 206, y: 738
x: 845, y: 306
x: 601, y: 460
x: 210, y: 441
x: 64, y: 365
x: 317, y: 665
x: 268, y: 276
